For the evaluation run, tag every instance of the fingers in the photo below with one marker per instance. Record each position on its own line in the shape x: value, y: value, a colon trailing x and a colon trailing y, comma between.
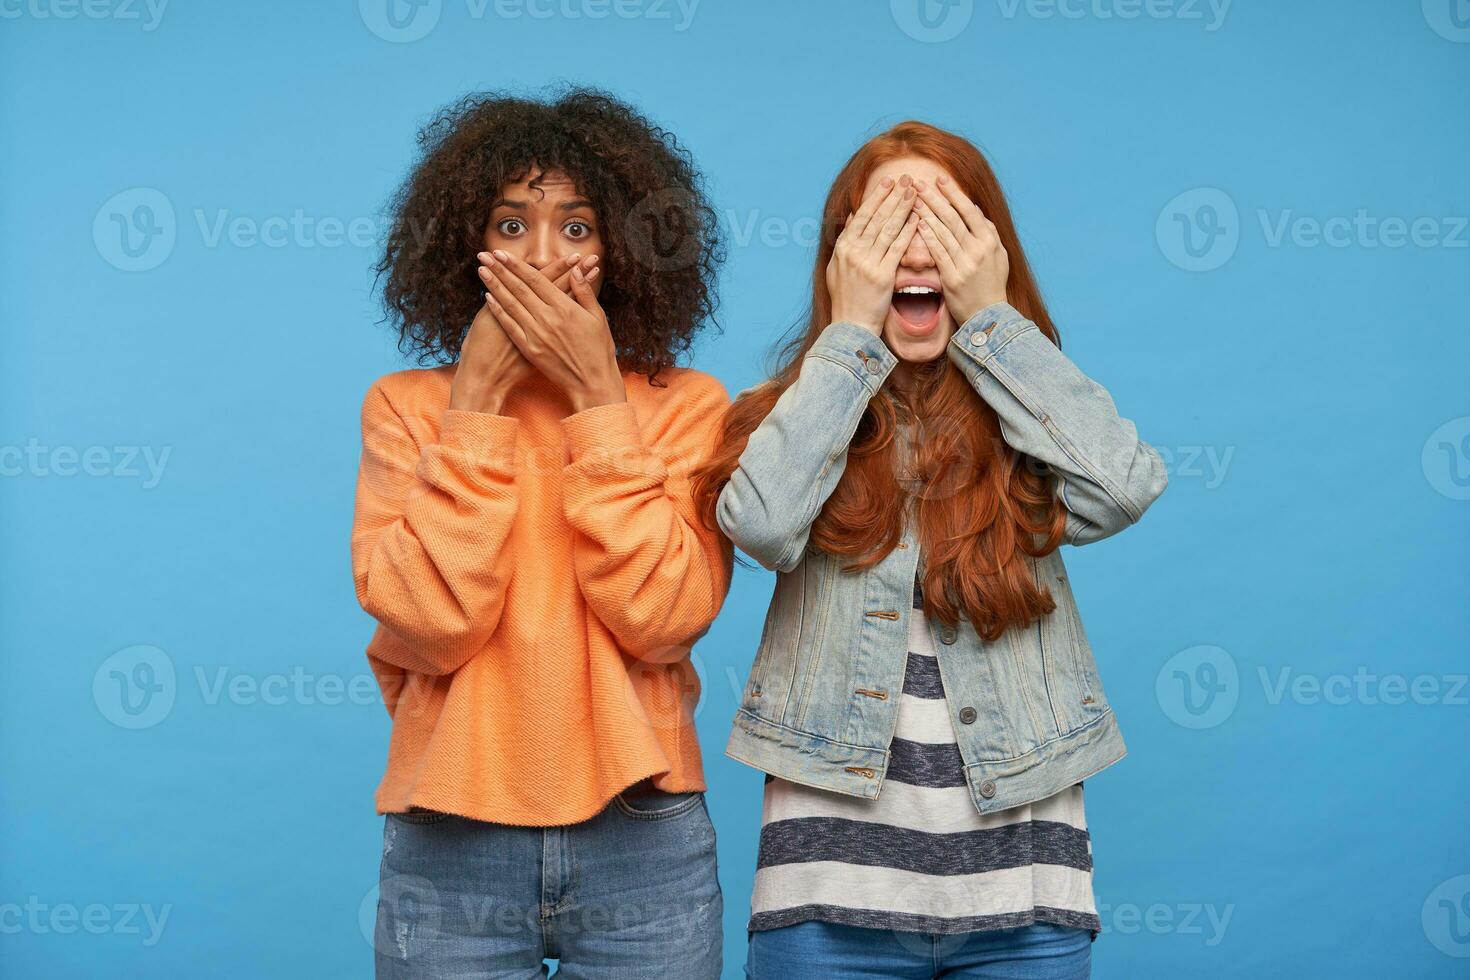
x: 582, y: 291
x: 588, y: 266
x: 560, y: 269
x: 893, y: 215
x: 859, y: 222
x: 528, y: 284
x: 943, y: 212
x: 942, y: 231
x: 938, y: 250
x: 900, y: 243
x: 973, y: 217
x: 506, y: 303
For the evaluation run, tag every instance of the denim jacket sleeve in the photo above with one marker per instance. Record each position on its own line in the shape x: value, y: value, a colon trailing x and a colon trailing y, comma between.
x: 796, y: 456
x: 1052, y: 412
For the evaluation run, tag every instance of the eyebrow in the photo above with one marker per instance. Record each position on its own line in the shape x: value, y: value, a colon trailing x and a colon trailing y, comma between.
x: 522, y: 205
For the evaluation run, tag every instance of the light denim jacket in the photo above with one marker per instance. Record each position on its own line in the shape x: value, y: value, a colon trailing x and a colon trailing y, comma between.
x: 821, y: 703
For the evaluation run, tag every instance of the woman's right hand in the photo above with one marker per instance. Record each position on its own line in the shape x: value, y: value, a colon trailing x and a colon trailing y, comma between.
x: 865, y: 259
x: 489, y: 364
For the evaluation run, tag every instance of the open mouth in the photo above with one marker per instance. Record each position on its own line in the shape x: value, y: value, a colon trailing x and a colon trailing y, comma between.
x: 917, y: 308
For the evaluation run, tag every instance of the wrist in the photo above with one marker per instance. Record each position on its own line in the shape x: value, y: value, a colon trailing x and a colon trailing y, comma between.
x: 476, y: 398
x: 866, y: 323
x: 980, y: 306
x: 606, y: 393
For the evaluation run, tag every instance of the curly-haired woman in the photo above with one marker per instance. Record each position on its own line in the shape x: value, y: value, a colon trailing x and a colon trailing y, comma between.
x: 924, y: 699
x: 526, y: 539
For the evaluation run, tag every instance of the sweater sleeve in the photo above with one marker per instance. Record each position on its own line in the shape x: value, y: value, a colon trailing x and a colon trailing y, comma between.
x: 429, y: 554
x: 648, y: 568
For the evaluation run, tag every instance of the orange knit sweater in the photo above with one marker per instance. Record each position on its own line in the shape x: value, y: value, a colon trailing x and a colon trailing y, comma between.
x: 538, y: 578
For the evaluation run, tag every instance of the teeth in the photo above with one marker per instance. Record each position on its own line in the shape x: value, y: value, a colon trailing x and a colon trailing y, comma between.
x: 917, y: 290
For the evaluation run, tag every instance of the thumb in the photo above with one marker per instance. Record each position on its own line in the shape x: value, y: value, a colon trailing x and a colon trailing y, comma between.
x: 582, y: 291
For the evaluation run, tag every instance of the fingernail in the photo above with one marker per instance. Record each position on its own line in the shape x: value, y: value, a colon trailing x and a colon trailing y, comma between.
x: 906, y: 180
x: 593, y: 274
x: 576, y: 256
x: 577, y: 274
x: 918, y: 185
x: 942, y: 179
x: 501, y: 254
x: 886, y: 181
x: 483, y: 256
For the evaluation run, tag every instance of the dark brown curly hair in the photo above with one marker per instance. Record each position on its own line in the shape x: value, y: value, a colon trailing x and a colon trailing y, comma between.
x: 662, y: 239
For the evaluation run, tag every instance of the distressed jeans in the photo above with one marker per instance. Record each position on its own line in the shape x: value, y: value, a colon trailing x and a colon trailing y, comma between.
x: 631, y: 893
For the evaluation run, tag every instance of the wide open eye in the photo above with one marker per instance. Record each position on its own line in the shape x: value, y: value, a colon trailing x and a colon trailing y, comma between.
x: 511, y: 227
x: 578, y: 230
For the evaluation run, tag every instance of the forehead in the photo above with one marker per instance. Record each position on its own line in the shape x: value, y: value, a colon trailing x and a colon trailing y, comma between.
x: 921, y: 168
x: 551, y: 186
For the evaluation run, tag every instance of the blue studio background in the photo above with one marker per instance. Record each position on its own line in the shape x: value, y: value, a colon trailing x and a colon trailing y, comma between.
x: 1249, y: 220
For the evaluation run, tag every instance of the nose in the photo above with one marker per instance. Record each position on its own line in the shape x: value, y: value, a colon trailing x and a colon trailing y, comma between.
x: 916, y: 258
x: 541, y: 247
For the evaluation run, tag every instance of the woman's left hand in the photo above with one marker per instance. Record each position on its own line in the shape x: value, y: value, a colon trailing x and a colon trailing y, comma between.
x: 973, y: 265
x: 566, y: 338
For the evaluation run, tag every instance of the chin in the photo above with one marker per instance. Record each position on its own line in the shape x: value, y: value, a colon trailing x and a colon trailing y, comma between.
x: 917, y: 347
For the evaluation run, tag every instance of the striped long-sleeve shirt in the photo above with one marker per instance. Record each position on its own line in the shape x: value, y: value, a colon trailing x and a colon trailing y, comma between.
x: 921, y: 857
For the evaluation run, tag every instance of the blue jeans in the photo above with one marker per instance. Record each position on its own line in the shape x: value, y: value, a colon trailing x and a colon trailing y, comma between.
x: 631, y: 893
x: 827, y: 951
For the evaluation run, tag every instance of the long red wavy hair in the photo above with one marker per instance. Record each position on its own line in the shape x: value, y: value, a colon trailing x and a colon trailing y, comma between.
x: 980, y: 507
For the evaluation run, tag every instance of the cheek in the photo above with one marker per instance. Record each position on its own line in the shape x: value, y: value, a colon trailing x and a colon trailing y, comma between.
x: 514, y: 245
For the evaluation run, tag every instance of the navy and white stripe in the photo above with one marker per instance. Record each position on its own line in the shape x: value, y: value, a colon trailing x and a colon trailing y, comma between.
x: 921, y: 857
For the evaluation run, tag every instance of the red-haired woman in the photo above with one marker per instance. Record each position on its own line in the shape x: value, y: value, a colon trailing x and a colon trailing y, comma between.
x: 924, y: 700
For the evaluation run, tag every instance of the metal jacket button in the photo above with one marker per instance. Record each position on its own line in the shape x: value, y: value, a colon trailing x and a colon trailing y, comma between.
x: 978, y: 339
x: 873, y: 366
x: 987, y: 788
x: 967, y: 715
x: 946, y: 634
